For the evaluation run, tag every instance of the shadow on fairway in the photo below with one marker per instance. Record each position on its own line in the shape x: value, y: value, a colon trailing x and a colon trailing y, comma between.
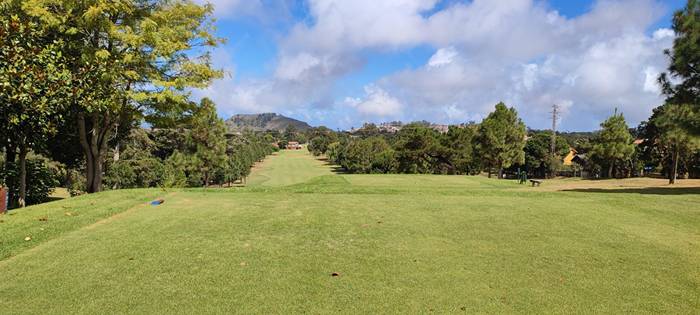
x: 334, y: 168
x: 643, y: 191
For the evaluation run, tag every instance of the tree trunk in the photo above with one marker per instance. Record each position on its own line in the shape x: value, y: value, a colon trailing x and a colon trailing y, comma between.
x: 22, y: 201
x: 500, y: 173
x: 674, y: 168
x: 10, y: 155
x: 610, y: 170
x: 94, y: 145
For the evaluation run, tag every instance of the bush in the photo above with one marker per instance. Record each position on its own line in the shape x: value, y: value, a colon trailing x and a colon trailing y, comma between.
x: 149, y: 172
x: 40, y: 181
x: 75, y: 182
x: 119, y: 175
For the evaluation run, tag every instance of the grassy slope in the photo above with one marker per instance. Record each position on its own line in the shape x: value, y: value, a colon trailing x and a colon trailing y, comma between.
x: 402, y: 244
x: 48, y: 221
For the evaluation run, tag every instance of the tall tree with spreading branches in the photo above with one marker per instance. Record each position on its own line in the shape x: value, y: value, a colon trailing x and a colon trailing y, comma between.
x: 129, y: 59
x: 33, y: 83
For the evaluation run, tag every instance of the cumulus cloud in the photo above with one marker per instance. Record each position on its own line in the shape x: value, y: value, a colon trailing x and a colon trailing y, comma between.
x: 522, y: 52
x: 443, y: 56
x: 376, y: 102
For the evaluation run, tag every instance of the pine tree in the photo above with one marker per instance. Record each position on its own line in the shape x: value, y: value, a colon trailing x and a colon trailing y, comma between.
x: 208, y: 139
x: 678, y: 140
x: 614, y: 143
x: 501, y: 139
x: 682, y: 82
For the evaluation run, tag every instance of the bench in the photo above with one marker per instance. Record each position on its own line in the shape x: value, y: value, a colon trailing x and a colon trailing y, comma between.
x: 535, y: 182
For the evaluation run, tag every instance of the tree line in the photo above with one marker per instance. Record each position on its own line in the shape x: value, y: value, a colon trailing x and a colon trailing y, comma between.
x: 79, y: 79
x: 501, y: 145
x: 668, y: 142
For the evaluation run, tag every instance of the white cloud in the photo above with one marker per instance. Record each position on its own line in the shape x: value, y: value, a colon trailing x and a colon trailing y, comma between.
x: 377, y: 102
x: 663, y: 33
x: 651, y: 84
x: 518, y: 51
x: 442, y: 57
x: 529, y: 76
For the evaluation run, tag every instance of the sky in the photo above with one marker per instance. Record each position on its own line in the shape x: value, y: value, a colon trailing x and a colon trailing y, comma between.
x: 341, y: 63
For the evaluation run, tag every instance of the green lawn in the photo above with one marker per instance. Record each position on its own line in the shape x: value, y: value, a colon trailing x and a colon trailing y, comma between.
x: 400, y: 243
x: 287, y: 168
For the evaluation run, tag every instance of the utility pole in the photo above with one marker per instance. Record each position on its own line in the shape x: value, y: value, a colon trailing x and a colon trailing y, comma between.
x: 553, y: 146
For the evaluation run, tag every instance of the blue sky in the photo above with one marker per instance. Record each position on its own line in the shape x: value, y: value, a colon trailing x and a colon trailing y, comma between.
x: 341, y: 63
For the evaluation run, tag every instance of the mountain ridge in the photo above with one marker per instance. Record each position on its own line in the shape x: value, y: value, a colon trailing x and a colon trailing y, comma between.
x: 264, y: 122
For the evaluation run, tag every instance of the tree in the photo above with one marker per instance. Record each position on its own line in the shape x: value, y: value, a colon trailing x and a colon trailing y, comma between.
x: 291, y: 134
x: 419, y: 149
x: 127, y: 59
x: 207, y: 138
x: 501, y: 139
x: 371, y: 155
x: 677, y: 140
x: 459, y: 140
x: 538, y: 158
x: 684, y: 65
x: 614, y: 143
x: 319, y: 139
x: 33, y: 81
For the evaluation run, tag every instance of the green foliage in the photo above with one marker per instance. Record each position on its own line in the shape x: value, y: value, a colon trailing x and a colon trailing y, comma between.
x: 684, y: 57
x: 176, y: 170
x: 320, y: 139
x: 371, y: 155
x: 614, y: 143
x: 34, y: 82
x: 127, y: 60
x: 501, y: 139
x: 33, y: 77
x: 459, y: 140
x: 120, y: 175
x: 40, y: 180
x: 419, y: 150
x: 416, y: 148
x: 669, y: 142
x: 206, y: 140
x: 538, y: 157
x: 682, y: 84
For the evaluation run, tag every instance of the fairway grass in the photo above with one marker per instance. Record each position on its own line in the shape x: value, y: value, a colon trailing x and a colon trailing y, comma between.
x: 399, y: 244
x: 287, y: 167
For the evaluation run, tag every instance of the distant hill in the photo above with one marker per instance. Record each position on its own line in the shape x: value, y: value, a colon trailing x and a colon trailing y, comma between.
x: 263, y: 122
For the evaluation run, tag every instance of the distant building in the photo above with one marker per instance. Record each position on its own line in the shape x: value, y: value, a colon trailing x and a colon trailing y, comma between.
x: 440, y: 128
x: 568, y: 159
x: 293, y: 145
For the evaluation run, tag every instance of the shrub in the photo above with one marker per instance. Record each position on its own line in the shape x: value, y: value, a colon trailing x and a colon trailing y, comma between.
x: 119, y: 175
x: 40, y: 181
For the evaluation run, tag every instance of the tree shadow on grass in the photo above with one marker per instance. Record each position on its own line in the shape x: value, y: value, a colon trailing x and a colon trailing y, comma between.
x: 334, y: 168
x: 338, y: 170
x: 643, y: 191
